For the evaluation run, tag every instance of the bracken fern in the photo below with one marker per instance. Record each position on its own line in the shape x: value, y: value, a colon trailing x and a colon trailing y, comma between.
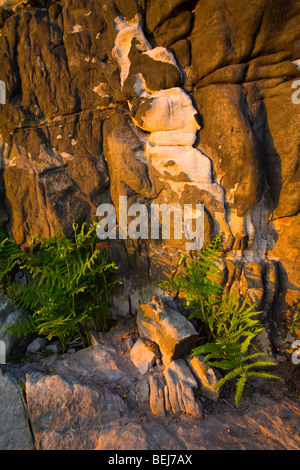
x: 69, y: 285
x: 232, y: 325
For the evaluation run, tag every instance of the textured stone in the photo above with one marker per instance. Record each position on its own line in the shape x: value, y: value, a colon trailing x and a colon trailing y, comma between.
x: 64, y: 416
x: 142, y: 357
x: 124, y: 154
x: 173, y: 333
x: 166, y: 110
x: 37, y: 345
x: 9, y: 314
x: 14, y: 422
x: 181, y: 387
x: 83, y: 76
x: 235, y: 160
x: 205, y: 376
x: 180, y: 164
x: 157, y: 395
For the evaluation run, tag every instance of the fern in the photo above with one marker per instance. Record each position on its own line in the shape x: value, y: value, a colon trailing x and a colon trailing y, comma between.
x: 10, y: 258
x: 196, y: 281
x: 69, y: 287
x: 232, y: 325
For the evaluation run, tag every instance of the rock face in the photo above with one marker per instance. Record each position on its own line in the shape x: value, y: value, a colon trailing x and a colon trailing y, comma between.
x: 166, y: 327
x: 10, y: 314
x: 167, y: 102
x: 142, y: 356
x: 96, y: 399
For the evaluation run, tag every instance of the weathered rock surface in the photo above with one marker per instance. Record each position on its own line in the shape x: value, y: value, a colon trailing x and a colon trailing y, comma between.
x: 161, y: 102
x: 14, y: 420
x: 97, y: 399
x: 181, y: 387
x: 205, y: 376
x: 65, y: 415
x: 173, y: 333
x: 142, y: 357
x: 9, y: 314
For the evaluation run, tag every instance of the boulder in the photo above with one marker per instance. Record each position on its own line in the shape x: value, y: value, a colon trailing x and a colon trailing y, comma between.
x: 142, y: 357
x: 65, y: 415
x: 168, y: 328
x: 205, y: 376
x: 37, y: 345
x: 182, y: 386
x: 157, y: 394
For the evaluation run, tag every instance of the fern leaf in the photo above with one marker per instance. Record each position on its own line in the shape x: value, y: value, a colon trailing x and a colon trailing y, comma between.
x: 231, y: 375
x: 22, y: 327
x: 240, y: 385
x: 264, y: 375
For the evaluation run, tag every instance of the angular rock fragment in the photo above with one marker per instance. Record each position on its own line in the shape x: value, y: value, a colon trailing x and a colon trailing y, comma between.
x: 37, y: 345
x: 205, y: 376
x: 157, y: 395
x: 166, y: 110
x: 142, y: 357
x: 173, y: 333
x: 181, y: 386
x: 14, y: 424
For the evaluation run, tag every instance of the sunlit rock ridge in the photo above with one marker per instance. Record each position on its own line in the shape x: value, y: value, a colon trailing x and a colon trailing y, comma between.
x: 167, y: 102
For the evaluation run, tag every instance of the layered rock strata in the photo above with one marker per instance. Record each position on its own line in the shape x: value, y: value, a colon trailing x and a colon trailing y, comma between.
x: 181, y: 102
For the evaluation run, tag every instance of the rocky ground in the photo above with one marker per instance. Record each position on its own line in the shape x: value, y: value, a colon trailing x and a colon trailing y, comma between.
x: 96, y: 398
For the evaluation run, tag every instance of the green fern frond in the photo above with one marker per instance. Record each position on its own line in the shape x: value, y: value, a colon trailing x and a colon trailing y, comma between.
x: 240, y: 385
x: 264, y: 375
x: 22, y: 327
x: 230, y: 376
x: 69, y: 287
x: 233, y: 325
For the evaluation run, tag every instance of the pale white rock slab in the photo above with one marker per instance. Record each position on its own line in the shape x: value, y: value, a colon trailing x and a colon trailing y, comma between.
x: 168, y: 110
x: 177, y: 137
x: 126, y: 32
x: 172, y: 161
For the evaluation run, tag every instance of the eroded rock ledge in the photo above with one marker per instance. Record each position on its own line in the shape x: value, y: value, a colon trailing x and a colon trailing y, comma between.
x: 98, y: 399
x: 176, y: 101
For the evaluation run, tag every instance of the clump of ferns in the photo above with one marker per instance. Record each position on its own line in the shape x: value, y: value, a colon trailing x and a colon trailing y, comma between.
x: 69, y: 286
x: 231, y: 325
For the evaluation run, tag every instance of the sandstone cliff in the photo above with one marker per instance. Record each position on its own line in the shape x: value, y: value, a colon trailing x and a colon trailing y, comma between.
x: 169, y: 102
